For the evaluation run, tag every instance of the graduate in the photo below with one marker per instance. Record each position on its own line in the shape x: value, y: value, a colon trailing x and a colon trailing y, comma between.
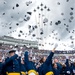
x: 1, y: 66
x: 30, y: 65
x: 11, y: 64
x: 47, y: 68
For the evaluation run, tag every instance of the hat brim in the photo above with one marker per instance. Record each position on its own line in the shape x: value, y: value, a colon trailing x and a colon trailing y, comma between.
x: 11, y: 51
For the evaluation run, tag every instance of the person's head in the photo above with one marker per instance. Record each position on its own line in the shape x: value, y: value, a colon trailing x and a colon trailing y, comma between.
x: 43, y: 59
x: 30, y: 58
x: 22, y: 61
x: 74, y: 63
x: 54, y: 65
x: 0, y: 59
x: 63, y: 65
x: 55, y: 60
x: 12, y: 52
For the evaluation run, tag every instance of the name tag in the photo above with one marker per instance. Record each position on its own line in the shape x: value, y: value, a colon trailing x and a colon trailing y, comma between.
x: 68, y: 72
x: 32, y: 74
x: 73, y: 71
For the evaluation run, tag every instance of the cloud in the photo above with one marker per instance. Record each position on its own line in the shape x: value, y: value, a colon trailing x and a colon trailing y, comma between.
x: 57, y: 28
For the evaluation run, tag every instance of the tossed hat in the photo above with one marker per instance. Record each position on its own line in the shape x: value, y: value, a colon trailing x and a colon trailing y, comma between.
x: 11, y: 51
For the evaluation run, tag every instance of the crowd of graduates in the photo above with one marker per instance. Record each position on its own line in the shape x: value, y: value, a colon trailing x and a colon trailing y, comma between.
x: 16, y: 64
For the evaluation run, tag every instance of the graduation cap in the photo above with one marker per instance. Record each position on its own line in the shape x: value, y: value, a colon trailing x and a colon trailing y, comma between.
x: 11, y: 16
x: 59, y: 39
x: 71, y: 17
x: 70, y: 21
x: 39, y: 44
x: 13, y: 8
x: 45, y: 20
x: 30, y: 32
x: 29, y: 13
x: 49, y: 35
x: 67, y: 0
x: 50, y: 22
x: 28, y: 3
x: 56, y: 23
x: 4, y: 2
x: 45, y: 24
x: 59, y: 21
x: 48, y: 9
x: 41, y: 32
x: 18, y: 12
x: 35, y: 26
x: 0, y: 44
x: 38, y: 7
x: 28, y: 18
x: 19, y: 35
x: 17, y: 5
x: 10, y: 27
x: 67, y: 29
x: 62, y: 13
x: 53, y: 31
x: 34, y: 10
x: 64, y: 19
x: 67, y: 25
x: 71, y: 13
x: 3, y: 14
x: 21, y: 31
x: 33, y: 35
x: 72, y: 8
x: 11, y: 51
x: 16, y: 46
x: 73, y: 31
x: 58, y: 3
x: 41, y: 9
x: 45, y: 6
x: 17, y: 24
x: 71, y: 37
x: 29, y: 26
x: 72, y: 42
x: 41, y: 4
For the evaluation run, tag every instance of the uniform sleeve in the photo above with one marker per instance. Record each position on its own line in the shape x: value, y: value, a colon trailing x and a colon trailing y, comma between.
x: 59, y: 67
x: 11, y: 58
x: 40, y: 70
x: 26, y: 59
x: 19, y: 60
x: 1, y: 67
x: 67, y: 63
x: 49, y: 59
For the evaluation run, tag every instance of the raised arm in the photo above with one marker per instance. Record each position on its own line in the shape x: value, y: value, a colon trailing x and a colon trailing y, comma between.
x: 67, y: 62
x: 49, y: 58
x: 8, y: 60
x: 26, y: 57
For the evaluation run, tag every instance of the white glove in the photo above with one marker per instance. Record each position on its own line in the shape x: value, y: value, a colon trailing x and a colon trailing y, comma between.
x: 19, y: 53
x: 16, y: 52
x: 31, y: 73
x: 67, y: 57
x: 34, y: 58
x: 56, y: 45
x: 31, y: 52
x: 22, y: 57
x: 3, y: 57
